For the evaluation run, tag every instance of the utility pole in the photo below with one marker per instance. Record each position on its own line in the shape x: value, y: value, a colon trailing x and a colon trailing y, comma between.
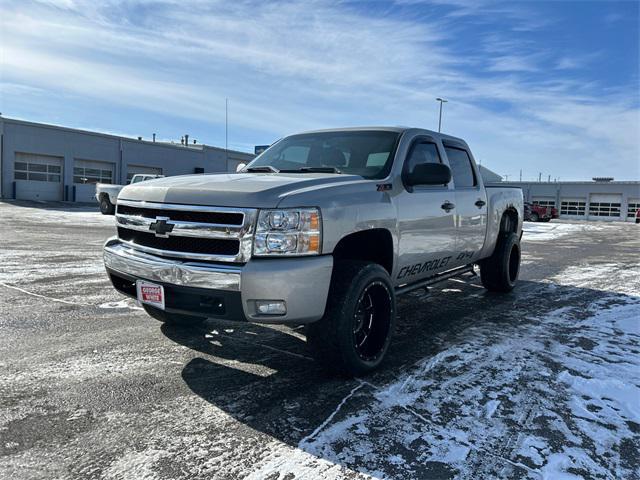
x: 441, y: 100
x: 520, y: 174
x: 539, y: 177
x: 226, y: 129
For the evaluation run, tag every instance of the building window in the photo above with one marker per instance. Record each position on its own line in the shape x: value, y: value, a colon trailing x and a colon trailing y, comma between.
x: 573, y: 207
x: 545, y: 203
x: 604, y: 209
x: 634, y: 205
x: 37, y: 172
x: 91, y: 175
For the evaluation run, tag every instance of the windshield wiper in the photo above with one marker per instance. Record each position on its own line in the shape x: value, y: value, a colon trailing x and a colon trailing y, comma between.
x: 313, y: 170
x: 262, y: 168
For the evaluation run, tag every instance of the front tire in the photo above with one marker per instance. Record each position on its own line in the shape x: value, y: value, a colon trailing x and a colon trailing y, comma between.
x: 534, y: 217
x: 173, y: 319
x: 499, y: 272
x: 353, y: 336
x: 106, y: 207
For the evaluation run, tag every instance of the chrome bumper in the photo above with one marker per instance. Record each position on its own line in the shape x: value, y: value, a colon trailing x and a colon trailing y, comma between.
x: 302, y: 283
x: 121, y: 258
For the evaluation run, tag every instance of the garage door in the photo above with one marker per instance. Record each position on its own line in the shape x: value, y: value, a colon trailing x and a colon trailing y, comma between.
x: 573, y: 207
x: 143, y: 169
x: 86, y: 173
x: 38, y: 177
x: 633, y: 207
x: 605, y: 206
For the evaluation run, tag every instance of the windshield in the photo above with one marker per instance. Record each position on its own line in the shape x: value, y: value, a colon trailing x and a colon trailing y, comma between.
x: 365, y: 153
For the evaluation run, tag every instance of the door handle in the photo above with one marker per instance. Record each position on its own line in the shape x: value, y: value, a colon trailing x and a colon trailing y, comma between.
x: 480, y: 203
x: 446, y: 206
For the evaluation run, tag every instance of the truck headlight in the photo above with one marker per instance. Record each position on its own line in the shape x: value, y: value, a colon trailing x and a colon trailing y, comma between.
x: 285, y: 232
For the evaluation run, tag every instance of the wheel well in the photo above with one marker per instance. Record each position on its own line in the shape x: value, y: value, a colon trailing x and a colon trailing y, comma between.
x: 103, y: 195
x: 509, y: 221
x: 375, y: 245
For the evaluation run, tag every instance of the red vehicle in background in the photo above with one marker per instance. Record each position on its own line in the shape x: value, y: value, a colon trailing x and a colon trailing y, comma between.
x: 537, y: 213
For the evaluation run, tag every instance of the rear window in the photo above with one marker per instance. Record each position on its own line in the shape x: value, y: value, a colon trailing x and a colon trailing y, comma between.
x: 461, y: 169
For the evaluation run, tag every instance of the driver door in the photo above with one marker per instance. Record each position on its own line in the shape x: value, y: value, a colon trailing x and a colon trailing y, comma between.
x: 427, y: 229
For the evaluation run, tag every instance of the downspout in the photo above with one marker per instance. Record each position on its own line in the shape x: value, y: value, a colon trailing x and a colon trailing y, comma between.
x: 122, y: 178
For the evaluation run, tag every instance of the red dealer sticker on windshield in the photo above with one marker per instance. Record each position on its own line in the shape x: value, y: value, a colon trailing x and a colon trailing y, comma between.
x: 150, y: 293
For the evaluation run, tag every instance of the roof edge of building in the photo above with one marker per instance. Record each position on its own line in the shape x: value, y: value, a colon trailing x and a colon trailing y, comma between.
x: 118, y: 137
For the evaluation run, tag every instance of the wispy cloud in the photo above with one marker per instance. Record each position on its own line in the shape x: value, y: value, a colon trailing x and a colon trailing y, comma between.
x: 289, y: 66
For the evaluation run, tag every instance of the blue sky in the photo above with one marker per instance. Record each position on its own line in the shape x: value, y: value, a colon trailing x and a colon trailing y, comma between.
x: 546, y: 87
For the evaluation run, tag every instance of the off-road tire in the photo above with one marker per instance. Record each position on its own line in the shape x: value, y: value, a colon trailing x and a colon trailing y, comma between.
x: 106, y: 207
x: 534, y: 217
x: 334, y: 341
x: 499, y: 272
x: 173, y: 319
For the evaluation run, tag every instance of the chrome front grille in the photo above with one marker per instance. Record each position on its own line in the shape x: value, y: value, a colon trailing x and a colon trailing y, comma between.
x: 187, y: 231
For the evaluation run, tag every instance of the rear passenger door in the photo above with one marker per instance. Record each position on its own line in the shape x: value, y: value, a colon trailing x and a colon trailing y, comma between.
x: 425, y: 221
x: 471, y: 204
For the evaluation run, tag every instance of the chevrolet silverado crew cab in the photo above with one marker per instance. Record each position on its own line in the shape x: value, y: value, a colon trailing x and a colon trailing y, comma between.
x: 324, y: 229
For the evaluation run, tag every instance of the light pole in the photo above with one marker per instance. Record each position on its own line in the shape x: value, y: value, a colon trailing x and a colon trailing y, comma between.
x: 441, y: 100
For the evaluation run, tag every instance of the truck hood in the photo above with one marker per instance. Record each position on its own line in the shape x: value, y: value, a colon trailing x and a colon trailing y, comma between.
x: 248, y: 190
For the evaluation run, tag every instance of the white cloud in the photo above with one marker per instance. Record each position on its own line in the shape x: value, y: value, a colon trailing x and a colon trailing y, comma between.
x: 292, y: 66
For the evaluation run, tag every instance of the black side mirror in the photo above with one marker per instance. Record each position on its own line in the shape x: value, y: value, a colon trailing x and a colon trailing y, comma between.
x: 428, y: 174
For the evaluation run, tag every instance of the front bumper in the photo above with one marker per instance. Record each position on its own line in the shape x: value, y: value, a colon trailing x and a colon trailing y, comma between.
x: 227, y: 291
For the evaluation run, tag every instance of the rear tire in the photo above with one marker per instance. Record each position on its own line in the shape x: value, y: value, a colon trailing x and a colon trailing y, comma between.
x: 534, y: 217
x: 546, y: 220
x: 173, y: 319
x: 106, y: 207
x: 353, y: 336
x: 499, y: 272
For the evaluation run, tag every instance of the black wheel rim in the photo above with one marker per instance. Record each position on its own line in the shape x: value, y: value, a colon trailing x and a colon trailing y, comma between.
x: 372, y: 321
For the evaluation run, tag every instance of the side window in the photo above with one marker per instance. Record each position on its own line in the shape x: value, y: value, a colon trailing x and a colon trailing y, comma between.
x: 461, y: 169
x: 423, y: 152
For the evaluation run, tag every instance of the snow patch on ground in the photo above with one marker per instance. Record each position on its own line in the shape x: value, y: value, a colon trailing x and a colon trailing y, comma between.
x: 553, y: 396
x: 544, y: 232
x: 610, y: 277
x: 78, y: 216
x: 126, y: 303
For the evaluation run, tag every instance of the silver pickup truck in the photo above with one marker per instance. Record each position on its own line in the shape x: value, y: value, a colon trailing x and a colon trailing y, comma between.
x: 107, y: 193
x: 325, y: 229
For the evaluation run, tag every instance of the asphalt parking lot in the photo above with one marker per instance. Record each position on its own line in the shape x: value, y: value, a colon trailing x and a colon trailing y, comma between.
x: 540, y: 383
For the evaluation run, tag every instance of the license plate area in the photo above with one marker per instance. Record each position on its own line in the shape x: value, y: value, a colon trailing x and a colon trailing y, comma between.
x: 150, y: 293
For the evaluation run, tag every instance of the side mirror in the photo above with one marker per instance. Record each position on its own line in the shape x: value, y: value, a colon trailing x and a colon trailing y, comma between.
x: 428, y: 174
x: 240, y: 166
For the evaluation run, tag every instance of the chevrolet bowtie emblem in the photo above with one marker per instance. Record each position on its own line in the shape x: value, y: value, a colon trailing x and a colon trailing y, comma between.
x: 161, y: 228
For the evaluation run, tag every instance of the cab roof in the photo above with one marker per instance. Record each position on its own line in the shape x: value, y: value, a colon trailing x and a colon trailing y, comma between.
x: 396, y: 129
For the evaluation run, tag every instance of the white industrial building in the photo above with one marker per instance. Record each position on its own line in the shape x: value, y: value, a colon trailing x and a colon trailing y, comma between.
x: 46, y: 162
x: 600, y: 199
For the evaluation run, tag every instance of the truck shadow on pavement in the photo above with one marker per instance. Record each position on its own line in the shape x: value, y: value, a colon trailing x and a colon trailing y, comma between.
x: 263, y: 377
